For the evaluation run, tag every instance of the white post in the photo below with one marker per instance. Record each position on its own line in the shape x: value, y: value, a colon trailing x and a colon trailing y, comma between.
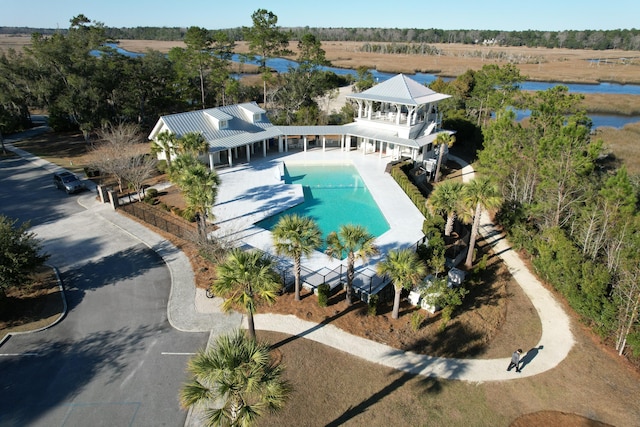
x: 324, y: 142
x: 264, y: 147
x: 211, y: 161
x: 229, y: 155
x: 280, y: 145
x: 304, y: 142
x: 248, y: 149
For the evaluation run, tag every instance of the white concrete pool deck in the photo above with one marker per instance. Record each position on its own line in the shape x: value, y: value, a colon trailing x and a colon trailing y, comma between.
x: 253, y: 191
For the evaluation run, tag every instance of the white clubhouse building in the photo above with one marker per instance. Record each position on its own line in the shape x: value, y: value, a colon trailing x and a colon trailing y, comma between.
x: 396, y: 118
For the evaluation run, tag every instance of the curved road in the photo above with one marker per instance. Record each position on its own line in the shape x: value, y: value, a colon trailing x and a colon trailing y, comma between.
x: 114, y: 359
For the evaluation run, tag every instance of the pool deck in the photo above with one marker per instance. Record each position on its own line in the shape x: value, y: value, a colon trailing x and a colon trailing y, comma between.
x: 250, y: 192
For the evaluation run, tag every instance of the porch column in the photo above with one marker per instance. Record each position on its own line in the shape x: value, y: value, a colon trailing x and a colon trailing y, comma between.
x: 280, y: 146
x: 248, y: 149
x: 230, y: 157
x: 324, y: 143
x: 286, y: 144
x: 211, y: 161
x: 381, y: 148
x: 304, y: 143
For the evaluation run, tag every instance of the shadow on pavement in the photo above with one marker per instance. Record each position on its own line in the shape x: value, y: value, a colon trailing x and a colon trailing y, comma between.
x: 56, y: 371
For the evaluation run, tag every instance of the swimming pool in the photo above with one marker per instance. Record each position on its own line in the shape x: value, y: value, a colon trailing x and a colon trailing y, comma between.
x: 334, y: 195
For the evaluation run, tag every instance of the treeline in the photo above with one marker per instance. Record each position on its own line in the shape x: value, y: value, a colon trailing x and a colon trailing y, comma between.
x: 625, y: 39
x: 587, y: 39
x: 82, y: 83
x: 565, y: 203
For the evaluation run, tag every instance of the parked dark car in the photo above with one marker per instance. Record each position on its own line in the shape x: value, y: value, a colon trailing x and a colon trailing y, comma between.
x: 68, y: 182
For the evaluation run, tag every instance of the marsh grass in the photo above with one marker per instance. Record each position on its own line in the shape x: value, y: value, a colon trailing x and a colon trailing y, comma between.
x: 623, y: 144
x: 621, y: 105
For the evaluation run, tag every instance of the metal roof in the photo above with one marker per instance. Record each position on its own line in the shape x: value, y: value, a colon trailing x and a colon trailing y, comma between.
x: 400, y: 89
x: 241, y: 128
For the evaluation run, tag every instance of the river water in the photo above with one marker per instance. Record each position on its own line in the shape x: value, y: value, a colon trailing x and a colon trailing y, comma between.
x: 282, y: 65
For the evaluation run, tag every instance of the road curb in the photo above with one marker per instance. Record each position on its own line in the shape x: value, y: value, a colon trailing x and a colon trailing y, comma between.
x: 55, y: 322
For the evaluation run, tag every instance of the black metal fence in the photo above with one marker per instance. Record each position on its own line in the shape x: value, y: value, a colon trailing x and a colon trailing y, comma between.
x: 162, y: 220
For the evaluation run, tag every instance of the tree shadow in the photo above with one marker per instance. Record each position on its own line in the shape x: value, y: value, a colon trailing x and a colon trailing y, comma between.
x: 316, y: 327
x: 409, y: 371
x: 455, y: 341
x: 427, y: 385
x: 107, y: 271
x: 57, y: 370
x: 22, y: 191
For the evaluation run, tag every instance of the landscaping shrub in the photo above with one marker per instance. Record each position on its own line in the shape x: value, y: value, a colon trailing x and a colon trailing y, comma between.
x: 323, y: 294
x: 151, y: 192
x: 372, y: 305
x: 161, y: 166
x: 91, y: 173
x: 399, y: 174
x: 417, y: 317
x: 188, y: 215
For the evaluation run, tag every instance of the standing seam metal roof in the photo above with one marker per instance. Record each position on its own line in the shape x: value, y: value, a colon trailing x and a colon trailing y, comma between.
x: 400, y: 90
x: 241, y: 130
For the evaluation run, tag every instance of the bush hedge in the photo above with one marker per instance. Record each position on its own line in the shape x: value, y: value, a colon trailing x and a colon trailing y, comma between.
x: 323, y: 294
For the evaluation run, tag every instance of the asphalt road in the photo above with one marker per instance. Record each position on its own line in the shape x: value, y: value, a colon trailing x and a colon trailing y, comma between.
x: 114, y: 360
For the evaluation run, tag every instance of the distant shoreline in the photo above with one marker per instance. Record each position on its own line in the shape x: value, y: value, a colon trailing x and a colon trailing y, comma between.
x: 537, y: 64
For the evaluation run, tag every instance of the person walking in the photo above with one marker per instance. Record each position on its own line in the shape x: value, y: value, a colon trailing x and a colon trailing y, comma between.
x: 515, y: 360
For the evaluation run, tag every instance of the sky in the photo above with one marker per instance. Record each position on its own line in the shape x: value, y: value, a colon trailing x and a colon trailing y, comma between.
x: 544, y: 15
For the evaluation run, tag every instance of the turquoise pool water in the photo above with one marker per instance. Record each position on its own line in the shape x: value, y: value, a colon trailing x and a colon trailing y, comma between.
x: 334, y: 195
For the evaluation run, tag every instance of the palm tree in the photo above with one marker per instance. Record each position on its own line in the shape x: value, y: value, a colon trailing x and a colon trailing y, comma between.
x: 295, y: 236
x: 356, y: 241
x: 244, y: 278
x: 165, y: 143
x: 477, y: 195
x: 199, y: 186
x: 406, y: 269
x: 443, y: 139
x: 238, y: 374
x: 445, y: 199
x: 193, y: 143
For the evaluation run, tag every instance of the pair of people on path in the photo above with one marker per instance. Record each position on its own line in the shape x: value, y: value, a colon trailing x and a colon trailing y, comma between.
x: 515, y: 360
